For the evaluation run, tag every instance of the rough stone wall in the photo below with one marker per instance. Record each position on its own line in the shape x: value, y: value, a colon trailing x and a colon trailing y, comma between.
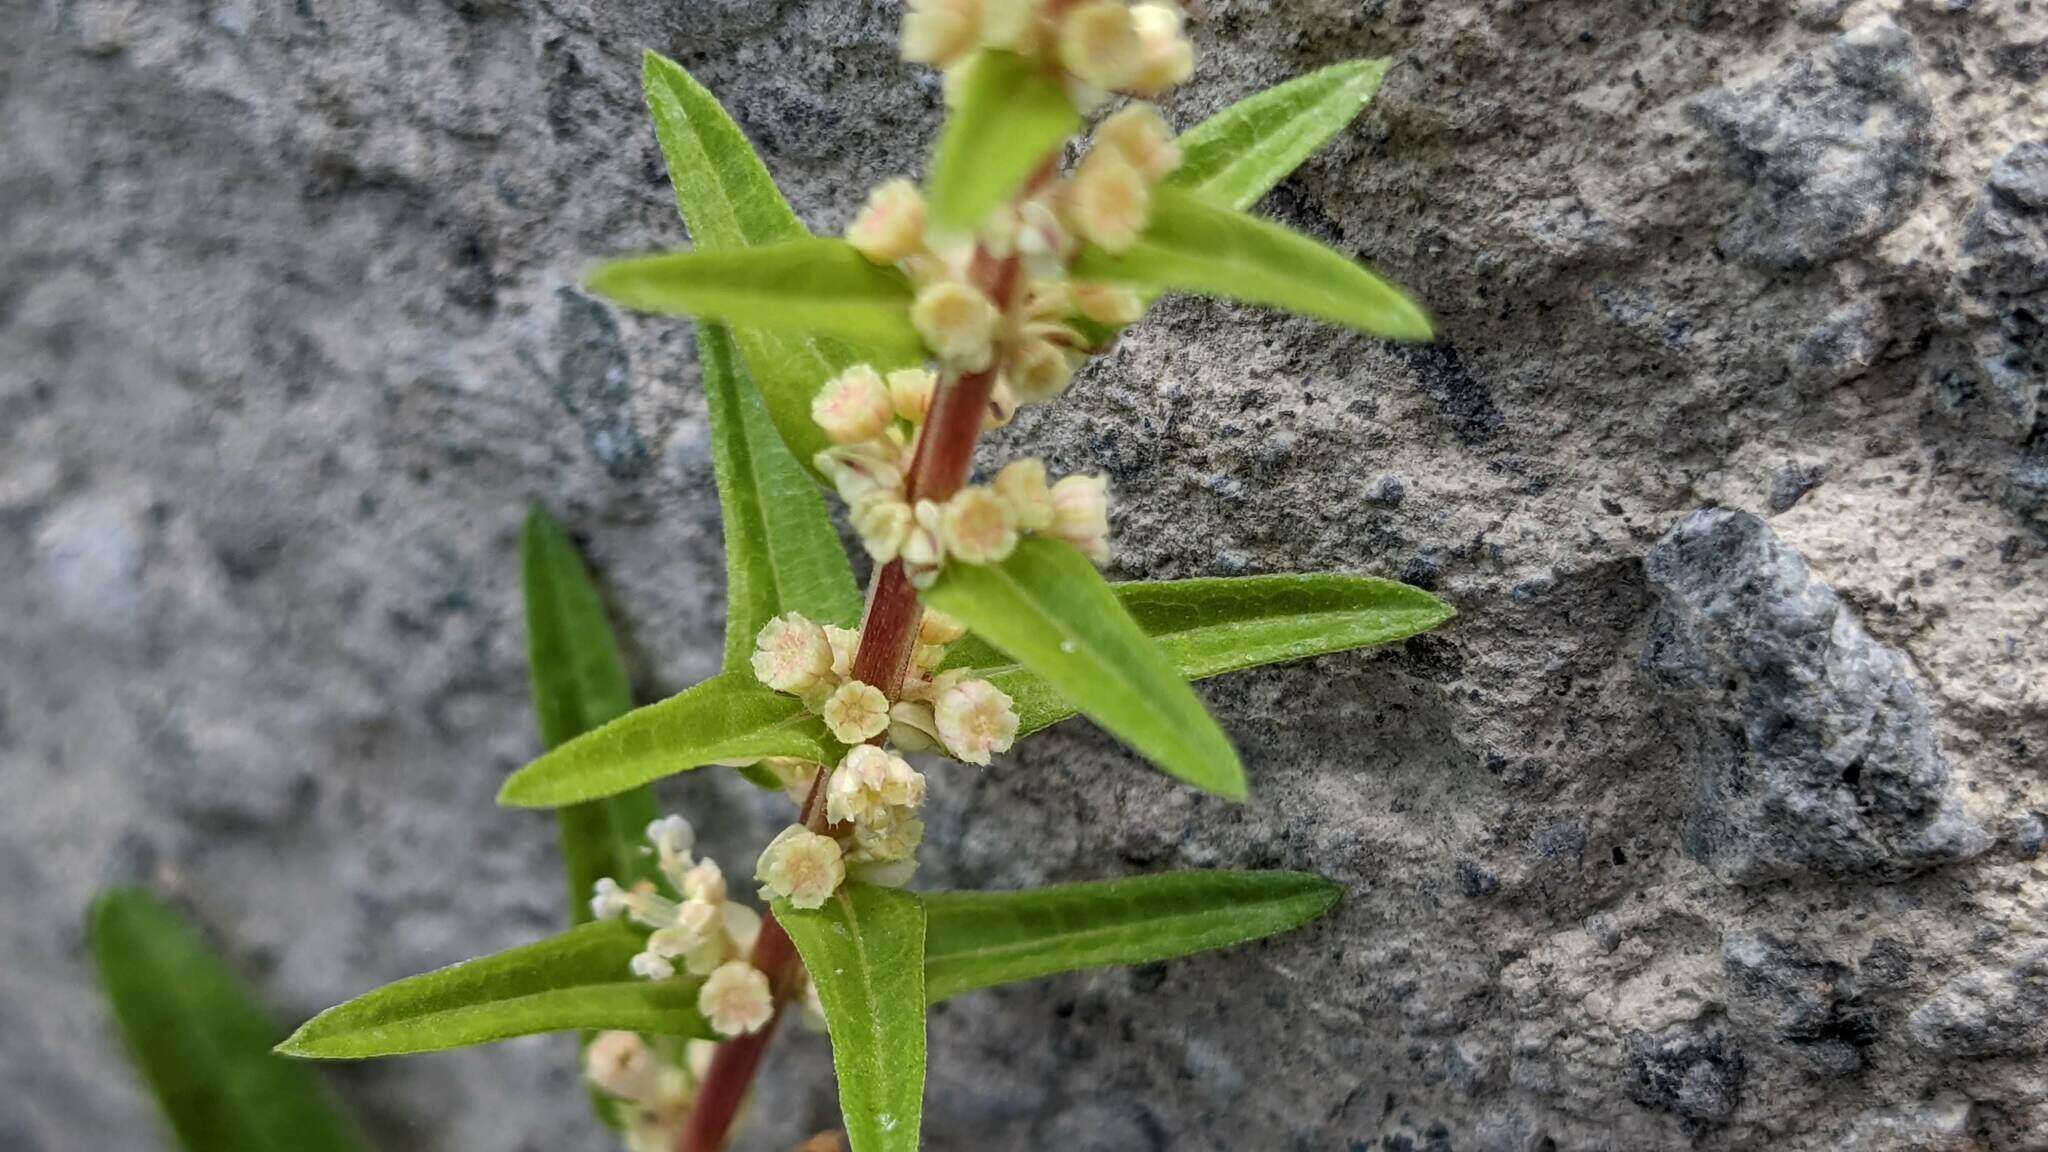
x: 1714, y: 829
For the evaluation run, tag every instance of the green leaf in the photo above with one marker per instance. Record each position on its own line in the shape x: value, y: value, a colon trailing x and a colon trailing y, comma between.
x: 579, y: 684
x: 200, y: 1040
x: 1195, y: 246
x: 814, y: 285
x: 979, y: 939
x: 1008, y: 117
x: 1211, y: 626
x: 729, y: 201
x: 728, y: 717
x: 864, y: 949
x: 1238, y: 155
x: 1049, y: 608
x: 781, y: 553
x: 580, y: 980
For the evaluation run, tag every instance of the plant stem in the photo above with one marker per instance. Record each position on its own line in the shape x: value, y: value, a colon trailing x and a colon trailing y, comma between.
x: 888, y: 635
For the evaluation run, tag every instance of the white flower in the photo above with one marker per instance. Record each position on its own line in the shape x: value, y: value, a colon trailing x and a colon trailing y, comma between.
x: 882, y: 841
x: 1099, y: 43
x: 705, y: 881
x: 958, y: 324
x: 801, y: 867
x: 869, y: 784
x: 975, y: 719
x: 1168, y: 57
x: 853, y: 406
x: 1109, y: 201
x: 791, y: 654
x: 608, y: 901
x: 856, y: 712
x: 621, y: 1064
x: 1022, y: 486
x: 940, y: 32
x: 977, y: 527
x: 736, y: 999
x: 891, y: 226
x: 883, y: 522
x: 696, y: 921
x: 1080, y: 514
x: 910, y: 393
x: 1141, y: 135
x: 648, y: 966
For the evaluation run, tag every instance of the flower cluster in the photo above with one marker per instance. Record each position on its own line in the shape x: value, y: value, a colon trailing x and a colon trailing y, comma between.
x: 873, y: 795
x: 655, y: 1092
x: 1103, y: 46
x: 703, y: 933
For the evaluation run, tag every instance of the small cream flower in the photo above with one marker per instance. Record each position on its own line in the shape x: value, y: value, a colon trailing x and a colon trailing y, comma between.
x: 910, y: 392
x: 856, y: 712
x: 1080, y: 514
x: 894, y: 837
x: 1168, y: 56
x: 695, y: 922
x: 975, y: 719
x: 608, y: 901
x: 791, y: 654
x: 801, y: 867
x: 736, y: 999
x: 1144, y: 139
x: 845, y: 643
x: 1100, y: 44
x: 858, y: 470
x: 1040, y: 370
x: 891, y: 226
x: 1109, y: 200
x: 1111, y: 304
x: 883, y: 522
x: 939, y: 628
x: 1022, y: 486
x: 621, y: 1064
x: 705, y: 881
x: 853, y: 406
x: 958, y: 324
x: 978, y: 527
x: 1014, y: 26
x: 648, y: 966
x: 940, y: 32
x: 870, y: 784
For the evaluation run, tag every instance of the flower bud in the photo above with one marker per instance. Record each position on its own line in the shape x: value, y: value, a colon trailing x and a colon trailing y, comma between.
x: 791, y: 654
x: 621, y: 1064
x: 958, y: 324
x: 845, y: 642
x: 1014, y: 26
x: 1168, y: 57
x: 883, y: 521
x: 736, y: 999
x: 1110, y: 304
x: 1080, y: 514
x: 1039, y: 370
x: 1002, y: 406
x: 938, y: 628
x: 801, y: 867
x: 1142, y: 136
x: 977, y: 527
x: 890, y: 226
x: 1022, y: 486
x: 911, y: 726
x: 940, y: 32
x: 895, y: 838
x: 1100, y: 44
x: 853, y: 406
x: 1109, y: 201
x: 910, y: 393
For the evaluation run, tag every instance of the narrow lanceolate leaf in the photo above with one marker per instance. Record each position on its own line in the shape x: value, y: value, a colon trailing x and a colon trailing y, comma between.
x: 865, y: 951
x: 729, y: 201
x: 1008, y: 117
x: 1193, y: 245
x: 578, y: 981
x: 200, y: 1040
x: 728, y: 717
x: 1208, y: 627
x: 1049, y: 609
x: 1240, y: 154
x: 979, y: 939
x: 781, y: 553
x: 821, y: 286
x: 579, y: 684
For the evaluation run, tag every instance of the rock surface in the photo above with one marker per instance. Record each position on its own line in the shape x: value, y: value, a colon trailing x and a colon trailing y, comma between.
x: 289, y: 333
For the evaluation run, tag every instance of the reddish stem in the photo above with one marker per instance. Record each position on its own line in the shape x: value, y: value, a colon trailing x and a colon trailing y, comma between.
x: 945, y: 454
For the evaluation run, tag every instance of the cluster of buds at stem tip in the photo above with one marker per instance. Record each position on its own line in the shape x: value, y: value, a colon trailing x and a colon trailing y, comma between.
x: 1100, y: 46
x: 695, y: 930
x: 652, y: 1091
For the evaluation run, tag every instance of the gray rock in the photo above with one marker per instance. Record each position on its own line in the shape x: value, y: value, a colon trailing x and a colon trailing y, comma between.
x: 1791, y: 483
x: 595, y: 383
x: 1835, y: 147
x: 1807, y: 745
x: 1696, y: 1074
x: 2026, y: 489
x: 1807, y: 1003
x: 1988, y: 1012
x: 2004, y: 278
